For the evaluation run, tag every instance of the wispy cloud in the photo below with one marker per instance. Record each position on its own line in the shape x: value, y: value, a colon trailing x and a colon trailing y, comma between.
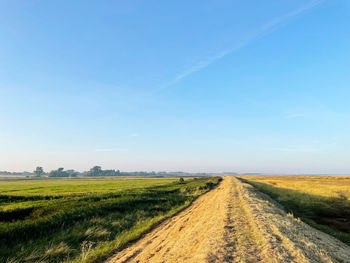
x: 131, y: 135
x: 204, y: 62
x: 264, y: 30
x: 300, y: 148
x: 110, y: 150
x: 279, y: 20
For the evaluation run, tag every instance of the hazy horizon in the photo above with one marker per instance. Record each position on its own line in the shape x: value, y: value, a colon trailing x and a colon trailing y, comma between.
x: 199, y: 86
x: 189, y: 172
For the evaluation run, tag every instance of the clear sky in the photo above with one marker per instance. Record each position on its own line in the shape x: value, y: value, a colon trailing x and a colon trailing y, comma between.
x: 203, y: 85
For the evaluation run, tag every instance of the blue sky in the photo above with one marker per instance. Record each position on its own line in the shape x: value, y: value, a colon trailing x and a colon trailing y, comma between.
x: 246, y: 86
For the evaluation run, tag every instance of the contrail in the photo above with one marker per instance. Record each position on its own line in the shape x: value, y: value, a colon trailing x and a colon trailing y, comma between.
x: 263, y: 31
x: 277, y: 21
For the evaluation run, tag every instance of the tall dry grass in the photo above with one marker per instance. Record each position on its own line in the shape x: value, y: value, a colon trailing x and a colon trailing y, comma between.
x: 322, y: 202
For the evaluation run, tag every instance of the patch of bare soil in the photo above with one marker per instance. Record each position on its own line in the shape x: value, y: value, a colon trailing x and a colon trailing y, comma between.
x: 234, y: 223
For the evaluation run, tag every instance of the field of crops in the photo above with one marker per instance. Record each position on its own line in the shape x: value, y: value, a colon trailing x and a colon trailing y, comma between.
x: 321, y: 201
x: 85, y: 220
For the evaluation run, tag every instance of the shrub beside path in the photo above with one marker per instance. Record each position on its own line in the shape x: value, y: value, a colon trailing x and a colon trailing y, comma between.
x: 234, y: 223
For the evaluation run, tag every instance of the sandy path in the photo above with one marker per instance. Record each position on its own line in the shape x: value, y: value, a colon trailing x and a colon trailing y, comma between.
x: 187, y: 237
x: 234, y: 223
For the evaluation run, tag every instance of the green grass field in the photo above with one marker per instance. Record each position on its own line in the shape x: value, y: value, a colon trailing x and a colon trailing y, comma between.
x: 69, y: 186
x: 321, y: 201
x: 86, y: 220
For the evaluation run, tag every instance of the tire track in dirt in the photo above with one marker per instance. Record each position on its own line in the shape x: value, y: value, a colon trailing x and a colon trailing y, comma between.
x: 234, y: 223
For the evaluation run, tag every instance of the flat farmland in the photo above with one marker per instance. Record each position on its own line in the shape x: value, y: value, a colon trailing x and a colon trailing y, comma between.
x: 62, y: 186
x: 321, y: 201
x: 86, y: 219
x: 134, y: 220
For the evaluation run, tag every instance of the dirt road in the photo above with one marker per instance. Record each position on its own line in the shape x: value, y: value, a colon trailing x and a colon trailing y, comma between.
x: 234, y: 223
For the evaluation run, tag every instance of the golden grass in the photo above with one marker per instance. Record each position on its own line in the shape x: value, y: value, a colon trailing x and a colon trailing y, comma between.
x: 329, y: 186
x: 321, y: 201
x: 284, y: 237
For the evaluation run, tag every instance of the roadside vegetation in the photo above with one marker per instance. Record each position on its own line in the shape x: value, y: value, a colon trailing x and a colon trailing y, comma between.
x: 85, y: 220
x: 322, y: 202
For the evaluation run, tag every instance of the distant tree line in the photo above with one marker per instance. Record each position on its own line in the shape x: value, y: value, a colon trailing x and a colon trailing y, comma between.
x: 15, y: 173
x: 95, y: 171
x: 61, y: 173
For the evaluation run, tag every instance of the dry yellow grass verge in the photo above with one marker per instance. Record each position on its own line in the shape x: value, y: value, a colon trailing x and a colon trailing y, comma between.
x: 328, y: 186
x: 284, y: 238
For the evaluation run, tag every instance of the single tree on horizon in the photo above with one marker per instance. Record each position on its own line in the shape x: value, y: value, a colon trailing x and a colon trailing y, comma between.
x: 39, y: 171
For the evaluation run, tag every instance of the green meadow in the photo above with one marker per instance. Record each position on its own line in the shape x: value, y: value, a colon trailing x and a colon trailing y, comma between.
x: 86, y: 219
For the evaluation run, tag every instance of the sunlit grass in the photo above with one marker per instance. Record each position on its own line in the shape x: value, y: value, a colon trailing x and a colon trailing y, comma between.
x: 86, y: 226
x: 330, y: 186
x: 62, y: 186
x: 322, y: 202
